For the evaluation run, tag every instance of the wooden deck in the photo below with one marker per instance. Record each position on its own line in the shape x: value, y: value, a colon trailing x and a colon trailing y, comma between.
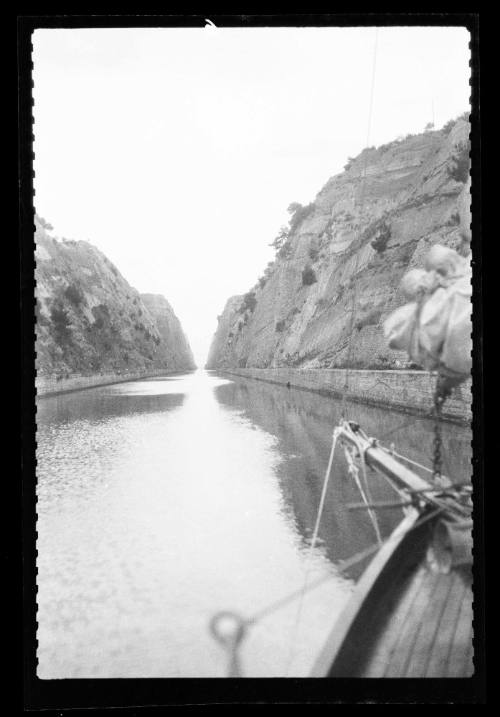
x: 404, y: 620
x: 410, y: 614
x: 429, y: 633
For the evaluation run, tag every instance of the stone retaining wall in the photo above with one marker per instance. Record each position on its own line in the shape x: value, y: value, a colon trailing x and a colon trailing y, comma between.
x: 46, y: 385
x: 409, y: 391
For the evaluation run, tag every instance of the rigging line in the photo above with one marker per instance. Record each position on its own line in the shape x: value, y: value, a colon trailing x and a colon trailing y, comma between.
x: 362, y: 203
x: 312, y: 545
x: 368, y: 493
x: 407, y: 460
x: 368, y: 499
x: 392, y: 452
x: 400, y: 428
x: 403, y: 491
x: 414, y: 463
x: 341, y: 566
x: 390, y: 482
x: 353, y: 470
x: 441, y: 491
x: 393, y: 485
x: 323, y: 492
x: 346, y: 386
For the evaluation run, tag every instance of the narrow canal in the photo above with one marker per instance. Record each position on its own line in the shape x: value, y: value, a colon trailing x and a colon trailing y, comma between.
x: 163, y: 501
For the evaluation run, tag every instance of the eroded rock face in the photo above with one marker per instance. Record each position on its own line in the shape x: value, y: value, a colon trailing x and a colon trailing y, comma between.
x: 323, y: 300
x: 226, y: 332
x: 177, y: 350
x: 90, y: 320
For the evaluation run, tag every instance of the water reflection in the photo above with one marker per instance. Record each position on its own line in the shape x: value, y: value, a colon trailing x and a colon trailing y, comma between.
x: 303, y: 423
x: 161, y: 502
x: 101, y: 404
x: 151, y: 518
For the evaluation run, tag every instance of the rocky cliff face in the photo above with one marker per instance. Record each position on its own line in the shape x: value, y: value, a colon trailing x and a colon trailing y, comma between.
x: 90, y: 320
x: 339, y: 263
x: 169, y: 327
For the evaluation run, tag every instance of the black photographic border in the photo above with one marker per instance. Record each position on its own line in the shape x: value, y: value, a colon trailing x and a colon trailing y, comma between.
x: 150, y: 693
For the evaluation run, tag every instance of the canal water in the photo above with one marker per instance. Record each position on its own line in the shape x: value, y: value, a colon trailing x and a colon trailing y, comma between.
x: 164, y: 501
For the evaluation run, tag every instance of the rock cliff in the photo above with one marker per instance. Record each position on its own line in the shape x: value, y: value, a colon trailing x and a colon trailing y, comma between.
x: 90, y: 320
x: 338, y: 264
x: 175, y: 343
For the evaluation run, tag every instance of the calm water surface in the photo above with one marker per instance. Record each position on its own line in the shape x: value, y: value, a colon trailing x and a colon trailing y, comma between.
x: 163, y: 501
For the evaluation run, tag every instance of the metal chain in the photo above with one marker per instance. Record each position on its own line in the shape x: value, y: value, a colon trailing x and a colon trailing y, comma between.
x: 441, y: 393
x: 437, y: 462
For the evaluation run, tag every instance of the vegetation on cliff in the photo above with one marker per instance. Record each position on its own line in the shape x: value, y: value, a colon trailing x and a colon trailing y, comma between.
x: 90, y: 320
x: 343, y: 255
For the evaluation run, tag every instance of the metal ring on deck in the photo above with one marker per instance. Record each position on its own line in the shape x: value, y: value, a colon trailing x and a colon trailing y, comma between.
x: 232, y: 636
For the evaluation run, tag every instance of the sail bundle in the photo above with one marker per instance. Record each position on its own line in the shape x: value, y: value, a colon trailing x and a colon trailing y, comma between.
x: 435, y: 328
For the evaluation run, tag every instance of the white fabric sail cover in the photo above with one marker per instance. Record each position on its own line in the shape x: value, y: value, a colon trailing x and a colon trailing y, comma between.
x: 435, y: 329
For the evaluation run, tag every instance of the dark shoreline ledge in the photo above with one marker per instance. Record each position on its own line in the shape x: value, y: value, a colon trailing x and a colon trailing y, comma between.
x: 51, y: 386
x: 406, y: 391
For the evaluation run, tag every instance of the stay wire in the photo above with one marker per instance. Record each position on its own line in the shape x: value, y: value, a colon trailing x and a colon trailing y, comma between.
x: 361, y: 204
x: 312, y: 545
x: 349, y: 356
x: 341, y: 566
x: 414, y: 420
x: 365, y: 494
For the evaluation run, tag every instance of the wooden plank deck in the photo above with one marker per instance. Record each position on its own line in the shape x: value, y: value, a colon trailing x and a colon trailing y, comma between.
x: 443, y: 640
x: 389, y: 639
x: 405, y: 619
x: 429, y: 633
x: 410, y: 622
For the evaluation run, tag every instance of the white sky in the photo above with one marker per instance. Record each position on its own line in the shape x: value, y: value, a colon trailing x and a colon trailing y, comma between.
x: 177, y: 151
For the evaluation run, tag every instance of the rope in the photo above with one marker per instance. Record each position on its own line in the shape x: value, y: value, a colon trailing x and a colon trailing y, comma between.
x: 391, y: 482
x: 341, y: 566
x: 407, y: 460
x: 430, y: 415
x: 232, y: 640
x: 403, y: 425
x: 362, y: 204
x: 314, y: 539
x: 451, y: 490
x: 353, y: 470
x: 368, y: 493
x: 373, y: 517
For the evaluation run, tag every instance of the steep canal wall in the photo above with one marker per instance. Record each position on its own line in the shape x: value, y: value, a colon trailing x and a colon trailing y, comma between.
x: 46, y: 386
x: 89, y: 320
x: 409, y: 391
x: 339, y: 262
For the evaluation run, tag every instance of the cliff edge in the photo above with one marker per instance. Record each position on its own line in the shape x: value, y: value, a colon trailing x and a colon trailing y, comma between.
x: 90, y: 320
x: 339, y: 262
